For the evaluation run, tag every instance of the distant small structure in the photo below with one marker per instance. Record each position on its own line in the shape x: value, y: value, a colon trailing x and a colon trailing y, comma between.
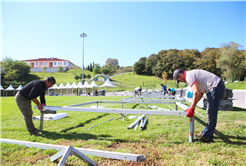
x: 52, y: 64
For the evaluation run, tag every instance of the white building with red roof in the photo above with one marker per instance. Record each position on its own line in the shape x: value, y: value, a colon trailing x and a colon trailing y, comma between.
x: 49, y: 63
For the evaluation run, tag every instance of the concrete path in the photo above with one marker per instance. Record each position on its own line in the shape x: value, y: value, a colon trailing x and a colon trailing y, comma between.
x: 239, y: 98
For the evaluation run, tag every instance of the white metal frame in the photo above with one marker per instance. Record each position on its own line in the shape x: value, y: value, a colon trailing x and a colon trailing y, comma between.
x: 100, y: 153
x: 70, y: 151
x: 121, y: 111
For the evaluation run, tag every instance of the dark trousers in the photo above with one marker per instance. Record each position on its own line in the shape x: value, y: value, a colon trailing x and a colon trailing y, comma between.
x: 26, y: 109
x: 214, y: 98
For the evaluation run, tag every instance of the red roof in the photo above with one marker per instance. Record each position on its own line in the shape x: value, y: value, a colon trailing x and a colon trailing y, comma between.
x: 45, y: 59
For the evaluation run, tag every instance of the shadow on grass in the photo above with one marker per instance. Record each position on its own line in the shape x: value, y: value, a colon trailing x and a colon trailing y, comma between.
x: 79, y: 136
x: 71, y: 136
x: 135, y: 106
x: 225, y: 138
x: 82, y: 124
x: 238, y: 109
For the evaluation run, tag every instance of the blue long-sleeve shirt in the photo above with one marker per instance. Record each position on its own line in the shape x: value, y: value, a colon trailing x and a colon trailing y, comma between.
x: 34, y: 89
x: 164, y: 88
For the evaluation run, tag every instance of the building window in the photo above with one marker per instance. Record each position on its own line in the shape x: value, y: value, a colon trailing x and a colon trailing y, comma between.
x: 45, y: 63
x: 64, y: 63
x: 54, y: 63
x: 36, y: 63
x: 39, y: 63
x: 59, y: 63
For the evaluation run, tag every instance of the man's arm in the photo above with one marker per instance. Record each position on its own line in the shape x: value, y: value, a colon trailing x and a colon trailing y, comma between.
x: 197, y: 95
x: 40, y: 106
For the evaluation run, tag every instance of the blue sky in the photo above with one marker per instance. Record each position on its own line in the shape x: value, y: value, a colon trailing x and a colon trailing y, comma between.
x: 123, y: 30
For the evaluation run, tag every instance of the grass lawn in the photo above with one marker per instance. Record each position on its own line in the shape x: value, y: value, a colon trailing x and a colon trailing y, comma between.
x: 65, y: 77
x: 164, y: 141
x: 236, y: 85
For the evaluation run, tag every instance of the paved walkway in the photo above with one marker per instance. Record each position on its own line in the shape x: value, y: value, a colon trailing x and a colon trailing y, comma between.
x: 239, y: 98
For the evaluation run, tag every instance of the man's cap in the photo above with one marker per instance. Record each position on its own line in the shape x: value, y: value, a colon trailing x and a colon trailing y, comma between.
x: 176, y: 74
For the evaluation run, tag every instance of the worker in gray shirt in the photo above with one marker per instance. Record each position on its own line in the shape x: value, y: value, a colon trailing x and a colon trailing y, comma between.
x: 203, y: 82
x: 29, y: 93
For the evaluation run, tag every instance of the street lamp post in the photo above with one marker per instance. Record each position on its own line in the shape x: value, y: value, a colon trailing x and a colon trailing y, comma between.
x: 83, y: 35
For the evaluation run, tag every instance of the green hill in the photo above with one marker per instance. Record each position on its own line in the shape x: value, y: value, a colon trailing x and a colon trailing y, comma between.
x: 127, y: 81
x: 64, y: 77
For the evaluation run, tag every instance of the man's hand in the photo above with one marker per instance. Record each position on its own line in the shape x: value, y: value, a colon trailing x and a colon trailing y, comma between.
x: 190, y: 112
x: 40, y: 106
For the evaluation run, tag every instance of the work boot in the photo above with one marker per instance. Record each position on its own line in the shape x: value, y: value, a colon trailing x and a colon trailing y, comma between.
x: 200, y: 135
x: 35, y: 133
x: 206, y: 140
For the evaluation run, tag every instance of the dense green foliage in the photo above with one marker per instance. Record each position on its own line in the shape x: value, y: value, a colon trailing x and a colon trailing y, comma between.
x: 13, y: 71
x: 227, y: 62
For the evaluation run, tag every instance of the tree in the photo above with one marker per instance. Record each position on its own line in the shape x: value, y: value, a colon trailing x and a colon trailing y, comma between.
x: 111, y: 62
x: 88, y: 76
x: 116, y: 67
x: 240, y: 65
x: 158, y: 69
x: 208, y: 60
x: 150, y: 63
x: 15, y: 70
x: 96, y: 69
x: 80, y: 76
x: 143, y: 60
x: 164, y: 77
x: 44, y: 68
x: 139, y: 68
x: 91, y: 67
x: 105, y: 71
x: 11, y: 75
x: 60, y: 69
x: 76, y: 77
x: 227, y: 60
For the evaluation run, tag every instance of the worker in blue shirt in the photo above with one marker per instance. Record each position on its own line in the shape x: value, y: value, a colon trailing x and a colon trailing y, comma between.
x: 164, y: 89
x: 172, y: 91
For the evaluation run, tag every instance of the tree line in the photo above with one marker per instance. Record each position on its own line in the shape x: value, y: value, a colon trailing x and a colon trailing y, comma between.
x: 227, y: 62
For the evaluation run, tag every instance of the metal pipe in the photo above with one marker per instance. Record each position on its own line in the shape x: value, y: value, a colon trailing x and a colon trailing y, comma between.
x: 145, y: 120
x: 136, y: 126
x: 122, y: 116
x: 191, y: 135
x: 41, y: 121
x: 100, y: 153
x: 127, y: 111
x: 141, y: 122
x: 135, y: 122
x: 172, y: 108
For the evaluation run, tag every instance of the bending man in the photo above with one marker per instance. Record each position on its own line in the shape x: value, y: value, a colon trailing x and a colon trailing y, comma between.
x: 29, y: 93
x: 201, y: 82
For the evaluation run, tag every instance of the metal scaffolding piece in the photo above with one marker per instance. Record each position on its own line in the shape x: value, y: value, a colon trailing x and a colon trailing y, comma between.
x: 122, y: 116
x: 143, y: 124
x: 108, y: 110
x: 72, y: 151
x: 100, y: 153
x: 128, y: 111
x: 136, y: 121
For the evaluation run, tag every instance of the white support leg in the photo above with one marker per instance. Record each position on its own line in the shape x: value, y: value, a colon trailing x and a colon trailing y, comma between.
x: 191, y: 135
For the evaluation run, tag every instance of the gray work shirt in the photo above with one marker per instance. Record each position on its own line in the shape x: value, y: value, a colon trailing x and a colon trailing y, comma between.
x: 206, y: 81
